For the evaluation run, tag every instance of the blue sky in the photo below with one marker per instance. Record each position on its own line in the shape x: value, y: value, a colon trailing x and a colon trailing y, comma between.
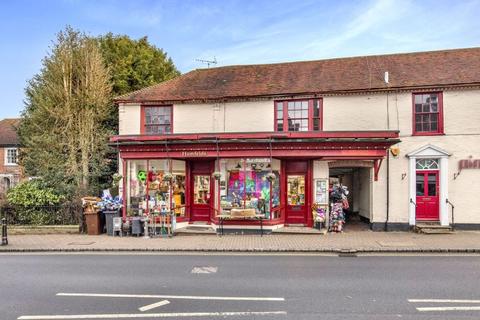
x: 235, y: 32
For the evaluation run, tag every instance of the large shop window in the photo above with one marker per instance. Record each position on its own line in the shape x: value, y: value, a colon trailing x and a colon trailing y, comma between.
x: 427, y: 113
x: 157, y: 119
x: 298, y: 115
x: 148, y: 191
x: 244, y: 184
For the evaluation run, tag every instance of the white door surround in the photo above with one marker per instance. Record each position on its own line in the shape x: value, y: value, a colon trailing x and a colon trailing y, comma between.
x: 429, y: 152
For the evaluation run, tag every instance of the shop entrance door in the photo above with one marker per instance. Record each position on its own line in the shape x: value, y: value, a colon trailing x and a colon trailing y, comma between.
x: 296, y: 183
x: 427, y: 189
x: 201, y: 187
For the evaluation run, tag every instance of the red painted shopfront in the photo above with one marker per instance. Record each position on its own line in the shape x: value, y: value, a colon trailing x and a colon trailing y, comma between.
x: 215, y: 173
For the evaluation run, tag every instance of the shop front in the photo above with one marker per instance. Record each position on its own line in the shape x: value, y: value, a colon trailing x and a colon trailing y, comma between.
x: 202, y: 177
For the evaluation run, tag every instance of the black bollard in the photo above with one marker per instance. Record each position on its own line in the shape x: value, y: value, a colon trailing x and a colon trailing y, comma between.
x: 4, y: 232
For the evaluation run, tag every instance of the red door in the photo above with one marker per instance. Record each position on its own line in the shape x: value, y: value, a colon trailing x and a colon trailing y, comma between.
x: 427, y: 189
x: 201, y: 186
x: 296, y: 187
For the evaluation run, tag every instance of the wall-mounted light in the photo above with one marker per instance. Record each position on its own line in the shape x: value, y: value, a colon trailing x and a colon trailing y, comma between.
x: 404, y: 175
x: 455, y: 175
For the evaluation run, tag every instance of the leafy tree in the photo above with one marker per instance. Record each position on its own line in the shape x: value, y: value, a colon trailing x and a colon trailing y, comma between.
x: 69, y: 114
x: 134, y: 65
x: 63, y: 129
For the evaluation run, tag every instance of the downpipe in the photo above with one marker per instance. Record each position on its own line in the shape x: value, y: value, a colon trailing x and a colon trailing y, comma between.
x: 388, y: 190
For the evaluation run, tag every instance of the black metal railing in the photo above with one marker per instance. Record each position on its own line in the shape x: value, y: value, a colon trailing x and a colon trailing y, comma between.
x: 61, y: 214
x: 413, y: 202
x: 453, y: 213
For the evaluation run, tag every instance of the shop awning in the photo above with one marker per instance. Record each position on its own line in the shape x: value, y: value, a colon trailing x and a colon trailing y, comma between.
x: 326, y: 145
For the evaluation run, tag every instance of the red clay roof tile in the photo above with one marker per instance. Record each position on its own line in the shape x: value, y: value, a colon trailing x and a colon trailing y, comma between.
x: 408, y: 70
x: 8, y: 134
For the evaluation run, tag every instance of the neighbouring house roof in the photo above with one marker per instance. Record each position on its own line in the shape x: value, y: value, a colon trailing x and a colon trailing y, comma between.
x: 8, y: 133
x: 366, y: 73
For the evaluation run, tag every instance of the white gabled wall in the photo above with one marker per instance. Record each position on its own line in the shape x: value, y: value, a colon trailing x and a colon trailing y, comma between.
x: 355, y: 113
x: 254, y: 116
x: 128, y: 119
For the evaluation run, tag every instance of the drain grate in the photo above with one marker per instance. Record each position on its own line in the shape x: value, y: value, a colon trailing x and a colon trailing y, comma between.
x: 347, y: 255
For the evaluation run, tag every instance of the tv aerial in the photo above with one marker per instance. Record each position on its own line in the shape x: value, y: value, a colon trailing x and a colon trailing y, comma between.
x: 208, y: 62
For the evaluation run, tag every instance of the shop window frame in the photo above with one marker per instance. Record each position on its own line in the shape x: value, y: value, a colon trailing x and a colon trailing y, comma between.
x: 440, y: 125
x: 311, y: 117
x: 243, y: 168
x: 126, y: 187
x: 143, y: 124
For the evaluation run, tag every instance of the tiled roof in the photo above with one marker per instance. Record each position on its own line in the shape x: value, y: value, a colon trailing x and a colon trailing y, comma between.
x: 8, y: 134
x: 408, y: 70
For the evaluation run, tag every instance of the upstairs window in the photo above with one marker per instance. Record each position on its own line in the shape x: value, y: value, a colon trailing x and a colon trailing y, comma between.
x: 11, y: 156
x: 427, y: 113
x: 157, y: 119
x: 298, y: 115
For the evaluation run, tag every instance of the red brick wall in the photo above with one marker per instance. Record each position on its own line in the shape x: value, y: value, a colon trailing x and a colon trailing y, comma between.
x: 8, y: 169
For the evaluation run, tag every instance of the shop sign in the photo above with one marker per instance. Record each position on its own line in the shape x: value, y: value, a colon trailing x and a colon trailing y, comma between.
x: 194, y: 153
x: 258, y: 160
x: 469, y: 163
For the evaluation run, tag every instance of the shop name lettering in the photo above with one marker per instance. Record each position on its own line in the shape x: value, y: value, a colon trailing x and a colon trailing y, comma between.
x: 194, y: 153
x: 468, y: 164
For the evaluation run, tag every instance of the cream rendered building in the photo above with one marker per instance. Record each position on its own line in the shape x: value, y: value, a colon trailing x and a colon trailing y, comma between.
x: 402, y: 132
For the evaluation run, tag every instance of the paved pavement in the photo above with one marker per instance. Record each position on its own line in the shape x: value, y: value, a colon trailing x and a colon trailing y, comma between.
x: 242, y: 286
x: 362, y: 241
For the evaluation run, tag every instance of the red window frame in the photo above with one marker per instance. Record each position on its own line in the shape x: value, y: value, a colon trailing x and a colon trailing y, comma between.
x: 440, y: 128
x: 311, y: 116
x: 143, y: 124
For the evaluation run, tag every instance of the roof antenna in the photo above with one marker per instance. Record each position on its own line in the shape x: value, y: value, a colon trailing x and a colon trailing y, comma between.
x: 208, y: 62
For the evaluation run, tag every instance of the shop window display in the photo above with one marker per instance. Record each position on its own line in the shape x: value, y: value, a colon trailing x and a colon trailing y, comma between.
x: 244, y: 184
x: 296, y: 190
x: 136, y: 187
x: 150, y: 191
x: 201, y: 189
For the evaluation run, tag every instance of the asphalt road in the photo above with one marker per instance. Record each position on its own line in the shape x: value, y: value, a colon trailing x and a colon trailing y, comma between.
x: 209, y: 287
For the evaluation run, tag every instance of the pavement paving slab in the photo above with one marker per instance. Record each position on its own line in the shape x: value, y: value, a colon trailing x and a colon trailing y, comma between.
x: 361, y: 241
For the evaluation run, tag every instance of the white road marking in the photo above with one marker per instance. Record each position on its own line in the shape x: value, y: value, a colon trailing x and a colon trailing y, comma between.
x: 204, y: 270
x: 154, y: 296
x: 442, y: 301
x: 152, y: 315
x: 154, y: 305
x: 426, y: 309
